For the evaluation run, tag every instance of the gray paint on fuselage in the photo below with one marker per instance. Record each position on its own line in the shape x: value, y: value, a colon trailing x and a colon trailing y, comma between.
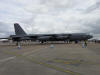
x: 21, y: 35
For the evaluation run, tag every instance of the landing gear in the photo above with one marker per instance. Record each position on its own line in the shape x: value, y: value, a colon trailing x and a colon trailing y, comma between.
x: 42, y: 42
x: 17, y: 43
x: 76, y: 41
x: 85, y: 42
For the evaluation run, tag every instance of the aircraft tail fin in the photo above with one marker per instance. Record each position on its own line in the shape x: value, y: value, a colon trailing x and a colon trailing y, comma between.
x: 19, y: 30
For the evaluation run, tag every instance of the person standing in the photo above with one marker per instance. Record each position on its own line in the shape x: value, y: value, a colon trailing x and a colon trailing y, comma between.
x: 85, y: 43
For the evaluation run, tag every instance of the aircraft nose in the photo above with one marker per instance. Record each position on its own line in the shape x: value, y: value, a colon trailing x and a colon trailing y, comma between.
x: 90, y: 36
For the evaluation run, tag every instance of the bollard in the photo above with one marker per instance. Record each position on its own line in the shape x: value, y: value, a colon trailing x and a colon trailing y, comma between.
x: 18, y: 47
x: 51, y: 46
x: 83, y: 45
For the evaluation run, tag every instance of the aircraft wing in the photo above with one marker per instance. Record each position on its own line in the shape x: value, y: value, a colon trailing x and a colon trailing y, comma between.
x: 49, y: 36
x: 4, y: 38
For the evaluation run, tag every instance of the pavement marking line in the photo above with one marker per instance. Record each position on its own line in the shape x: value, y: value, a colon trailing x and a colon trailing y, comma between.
x: 6, y: 59
x: 31, y: 49
x: 44, y: 64
x: 69, y: 62
x: 27, y: 53
x: 54, y: 67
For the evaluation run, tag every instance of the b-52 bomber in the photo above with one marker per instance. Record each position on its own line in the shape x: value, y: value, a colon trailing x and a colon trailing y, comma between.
x: 20, y: 35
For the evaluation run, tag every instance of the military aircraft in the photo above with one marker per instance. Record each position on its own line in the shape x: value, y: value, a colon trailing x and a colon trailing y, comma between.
x: 20, y: 35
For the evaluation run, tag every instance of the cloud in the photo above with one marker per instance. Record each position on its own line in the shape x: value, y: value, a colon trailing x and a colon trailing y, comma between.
x: 50, y: 16
x: 5, y: 29
x: 95, y: 6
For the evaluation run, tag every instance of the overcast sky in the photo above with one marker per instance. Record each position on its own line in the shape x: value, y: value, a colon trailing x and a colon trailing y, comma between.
x: 50, y: 16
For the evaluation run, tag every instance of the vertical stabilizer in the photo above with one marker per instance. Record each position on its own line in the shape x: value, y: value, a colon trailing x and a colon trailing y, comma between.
x: 19, y: 30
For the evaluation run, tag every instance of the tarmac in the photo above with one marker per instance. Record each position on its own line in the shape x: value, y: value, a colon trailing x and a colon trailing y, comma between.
x: 50, y: 59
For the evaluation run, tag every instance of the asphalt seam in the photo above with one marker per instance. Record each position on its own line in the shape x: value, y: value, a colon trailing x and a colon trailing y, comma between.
x: 27, y: 53
x: 44, y: 64
x: 6, y: 59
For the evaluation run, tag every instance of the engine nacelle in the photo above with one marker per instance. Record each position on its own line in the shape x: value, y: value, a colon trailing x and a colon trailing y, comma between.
x: 62, y: 37
x: 44, y: 38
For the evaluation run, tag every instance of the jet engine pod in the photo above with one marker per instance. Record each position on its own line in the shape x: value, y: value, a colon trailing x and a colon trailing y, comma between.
x: 43, y: 38
x: 62, y: 37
